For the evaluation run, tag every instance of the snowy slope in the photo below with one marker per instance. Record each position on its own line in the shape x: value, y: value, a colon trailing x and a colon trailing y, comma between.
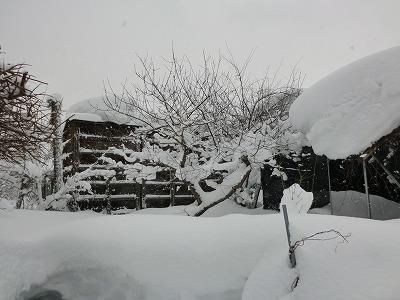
x: 347, y: 111
x: 87, y: 256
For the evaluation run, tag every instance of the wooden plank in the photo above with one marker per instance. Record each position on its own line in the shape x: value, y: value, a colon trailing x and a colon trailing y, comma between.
x: 167, y: 196
x: 115, y: 182
x: 155, y: 182
x: 102, y: 197
x: 97, y: 166
x: 139, y: 199
x: 95, y: 136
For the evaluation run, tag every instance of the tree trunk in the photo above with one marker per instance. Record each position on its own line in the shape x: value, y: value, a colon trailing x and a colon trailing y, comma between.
x: 55, y: 104
x: 230, y: 193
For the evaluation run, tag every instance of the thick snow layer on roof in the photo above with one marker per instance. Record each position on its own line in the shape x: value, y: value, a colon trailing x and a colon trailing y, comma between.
x: 350, y: 109
x: 95, y: 110
x: 85, y: 117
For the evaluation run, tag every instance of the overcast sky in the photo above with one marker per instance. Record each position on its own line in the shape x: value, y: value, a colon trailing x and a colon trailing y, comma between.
x: 76, y: 45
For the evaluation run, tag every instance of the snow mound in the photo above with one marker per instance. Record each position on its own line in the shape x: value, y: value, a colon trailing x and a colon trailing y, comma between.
x: 330, y: 267
x: 90, y: 256
x: 296, y: 199
x: 350, y: 109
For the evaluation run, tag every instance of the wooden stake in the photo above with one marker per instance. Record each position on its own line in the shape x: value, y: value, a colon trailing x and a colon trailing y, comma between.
x: 140, y: 199
x: 172, y: 194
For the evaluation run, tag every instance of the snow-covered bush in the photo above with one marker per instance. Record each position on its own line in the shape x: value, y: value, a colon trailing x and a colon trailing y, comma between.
x: 21, y: 184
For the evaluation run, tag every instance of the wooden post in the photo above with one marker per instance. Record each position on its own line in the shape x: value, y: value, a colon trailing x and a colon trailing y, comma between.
x: 108, y: 198
x: 292, y: 255
x: 76, y: 151
x: 366, y: 188
x: 140, y: 201
x: 329, y: 185
x: 172, y: 194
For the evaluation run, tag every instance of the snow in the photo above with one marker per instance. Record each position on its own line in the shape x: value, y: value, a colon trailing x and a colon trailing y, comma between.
x: 6, y: 204
x: 85, y: 117
x: 297, y: 200
x: 227, y: 207
x: 367, y: 267
x: 95, y: 110
x: 167, y: 257
x: 87, y: 256
x: 350, y: 109
x: 354, y: 204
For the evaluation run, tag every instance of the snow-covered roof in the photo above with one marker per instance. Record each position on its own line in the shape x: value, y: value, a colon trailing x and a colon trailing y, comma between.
x: 350, y: 109
x: 95, y: 110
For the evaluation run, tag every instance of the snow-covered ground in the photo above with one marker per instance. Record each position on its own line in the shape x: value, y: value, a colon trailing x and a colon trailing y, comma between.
x: 347, y: 111
x: 91, y: 256
x: 354, y: 204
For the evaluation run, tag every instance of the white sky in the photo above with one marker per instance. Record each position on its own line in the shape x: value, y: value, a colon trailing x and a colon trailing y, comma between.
x: 75, y: 45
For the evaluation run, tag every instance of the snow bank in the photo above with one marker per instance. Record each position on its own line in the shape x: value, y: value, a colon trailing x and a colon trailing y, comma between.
x: 163, y: 257
x: 367, y: 267
x: 347, y: 111
x: 87, y: 256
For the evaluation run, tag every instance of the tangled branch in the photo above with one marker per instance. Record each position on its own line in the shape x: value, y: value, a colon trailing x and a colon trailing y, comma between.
x: 24, y: 125
x: 319, y: 237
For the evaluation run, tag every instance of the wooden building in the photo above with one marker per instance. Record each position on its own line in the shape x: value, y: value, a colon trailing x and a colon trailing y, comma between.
x: 86, y: 140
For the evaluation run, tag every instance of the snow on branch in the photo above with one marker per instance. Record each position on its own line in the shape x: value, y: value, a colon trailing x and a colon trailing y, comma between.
x: 201, y: 121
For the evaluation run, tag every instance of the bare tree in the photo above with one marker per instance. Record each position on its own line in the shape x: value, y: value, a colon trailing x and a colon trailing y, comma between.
x: 24, y: 125
x: 215, y: 120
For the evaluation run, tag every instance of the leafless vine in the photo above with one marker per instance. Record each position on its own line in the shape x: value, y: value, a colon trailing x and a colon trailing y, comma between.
x: 319, y: 236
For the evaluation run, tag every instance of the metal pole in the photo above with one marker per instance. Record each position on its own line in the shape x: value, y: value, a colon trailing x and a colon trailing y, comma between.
x: 366, y: 188
x: 286, y: 217
x: 329, y: 185
x: 292, y: 256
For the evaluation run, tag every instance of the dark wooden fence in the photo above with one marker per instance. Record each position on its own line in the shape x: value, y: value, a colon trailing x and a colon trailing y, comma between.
x: 132, y: 195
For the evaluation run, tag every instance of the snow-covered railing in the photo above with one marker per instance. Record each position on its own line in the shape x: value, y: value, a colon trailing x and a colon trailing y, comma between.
x: 142, y: 196
x: 102, y: 197
x: 148, y: 182
x: 97, y: 136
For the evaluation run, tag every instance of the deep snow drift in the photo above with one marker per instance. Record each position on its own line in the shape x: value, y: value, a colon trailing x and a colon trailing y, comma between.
x: 347, y: 111
x: 87, y: 256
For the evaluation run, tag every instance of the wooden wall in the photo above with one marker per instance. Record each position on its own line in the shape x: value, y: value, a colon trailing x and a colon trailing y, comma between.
x: 85, y: 142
